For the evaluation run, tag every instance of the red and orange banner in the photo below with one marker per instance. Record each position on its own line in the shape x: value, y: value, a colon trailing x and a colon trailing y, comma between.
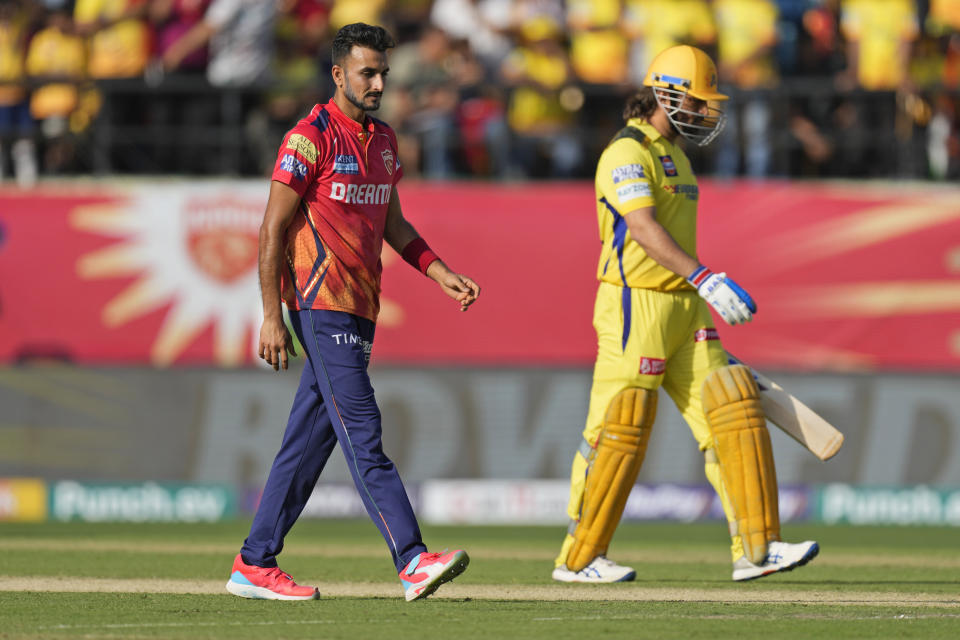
x: 847, y: 276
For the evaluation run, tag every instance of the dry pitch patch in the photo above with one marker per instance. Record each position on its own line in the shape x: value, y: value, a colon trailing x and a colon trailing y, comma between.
x: 555, y: 592
x: 453, y: 591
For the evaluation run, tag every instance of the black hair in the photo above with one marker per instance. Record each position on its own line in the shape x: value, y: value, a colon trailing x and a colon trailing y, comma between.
x: 359, y: 34
x: 641, y: 104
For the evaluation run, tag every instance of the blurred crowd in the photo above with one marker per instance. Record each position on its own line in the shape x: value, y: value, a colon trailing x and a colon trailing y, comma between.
x: 478, y: 88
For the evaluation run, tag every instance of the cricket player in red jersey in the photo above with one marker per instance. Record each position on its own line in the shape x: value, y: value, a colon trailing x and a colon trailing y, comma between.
x: 333, y: 201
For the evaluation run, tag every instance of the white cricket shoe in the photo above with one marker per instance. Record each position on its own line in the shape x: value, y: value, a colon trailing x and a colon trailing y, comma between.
x: 781, y: 556
x: 601, y: 569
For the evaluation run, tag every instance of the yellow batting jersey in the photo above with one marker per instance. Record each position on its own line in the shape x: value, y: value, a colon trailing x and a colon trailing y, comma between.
x: 638, y: 169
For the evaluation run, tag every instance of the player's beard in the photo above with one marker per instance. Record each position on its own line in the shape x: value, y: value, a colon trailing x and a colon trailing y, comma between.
x: 357, y: 102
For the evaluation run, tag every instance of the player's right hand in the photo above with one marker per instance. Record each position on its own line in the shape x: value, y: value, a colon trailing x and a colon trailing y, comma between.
x: 728, y: 298
x: 275, y: 342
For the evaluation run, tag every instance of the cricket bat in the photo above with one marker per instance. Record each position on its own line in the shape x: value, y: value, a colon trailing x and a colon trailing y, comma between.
x: 794, y: 418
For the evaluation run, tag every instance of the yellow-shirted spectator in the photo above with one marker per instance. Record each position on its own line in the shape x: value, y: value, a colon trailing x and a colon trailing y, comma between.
x: 16, y: 125
x: 944, y: 17
x: 598, y: 48
x: 56, y: 65
x: 538, y: 72
x: 943, y: 22
x: 346, y: 12
x: 56, y: 62
x: 879, y: 35
x: 655, y: 25
x: 746, y: 35
x: 13, y: 23
x: 119, y: 45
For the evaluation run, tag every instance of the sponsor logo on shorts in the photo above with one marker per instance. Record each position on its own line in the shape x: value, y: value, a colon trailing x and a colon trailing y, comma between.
x: 668, y: 167
x: 627, y: 172
x: 652, y: 366
x: 705, y: 334
x: 293, y: 166
x: 360, y: 193
x: 633, y: 191
x: 304, y: 146
x: 690, y: 191
x: 346, y: 163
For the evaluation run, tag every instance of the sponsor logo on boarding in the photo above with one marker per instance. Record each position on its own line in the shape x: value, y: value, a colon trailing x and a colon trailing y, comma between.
x: 293, y: 166
x: 23, y: 499
x: 346, y: 163
x: 668, y: 167
x: 652, y: 366
x: 387, y: 155
x: 349, y: 339
x: 222, y: 234
x: 627, y: 172
x: 701, y: 335
x: 633, y: 191
x: 304, y: 146
x: 690, y: 191
x: 360, y: 193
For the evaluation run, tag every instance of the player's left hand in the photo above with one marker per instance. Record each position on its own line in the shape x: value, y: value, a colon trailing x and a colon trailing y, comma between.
x: 456, y: 285
x: 728, y: 298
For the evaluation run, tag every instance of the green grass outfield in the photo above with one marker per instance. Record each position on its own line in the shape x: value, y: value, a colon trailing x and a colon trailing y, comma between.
x: 166, y: 581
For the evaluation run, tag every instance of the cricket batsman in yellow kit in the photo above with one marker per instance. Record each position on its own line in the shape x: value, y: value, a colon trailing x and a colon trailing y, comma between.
x: 654, y: 329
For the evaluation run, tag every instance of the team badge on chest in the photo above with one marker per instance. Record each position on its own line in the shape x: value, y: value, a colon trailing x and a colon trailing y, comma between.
x: 388, y: 160
x: 669, y: 168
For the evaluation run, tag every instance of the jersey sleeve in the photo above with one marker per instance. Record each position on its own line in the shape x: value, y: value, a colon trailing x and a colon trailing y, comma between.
x: 624, y: 176
x: 298, y: 159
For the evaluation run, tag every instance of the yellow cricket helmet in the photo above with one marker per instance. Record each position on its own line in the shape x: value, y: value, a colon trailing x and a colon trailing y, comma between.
x: 684, y: 70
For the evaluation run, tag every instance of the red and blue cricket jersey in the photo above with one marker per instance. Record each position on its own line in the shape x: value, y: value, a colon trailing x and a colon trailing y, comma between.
x: 344, y: 172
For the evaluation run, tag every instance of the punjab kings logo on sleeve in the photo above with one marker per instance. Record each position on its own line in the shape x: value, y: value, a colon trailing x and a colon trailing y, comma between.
x: 388, y: 160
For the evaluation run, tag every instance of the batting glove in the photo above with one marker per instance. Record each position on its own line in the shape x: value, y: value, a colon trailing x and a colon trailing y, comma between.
x: 728, y: 298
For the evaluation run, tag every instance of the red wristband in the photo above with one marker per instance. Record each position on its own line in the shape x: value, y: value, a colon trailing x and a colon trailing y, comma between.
x: 418, y: 254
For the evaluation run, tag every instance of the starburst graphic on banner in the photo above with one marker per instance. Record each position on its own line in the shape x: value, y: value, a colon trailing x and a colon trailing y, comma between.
x: 192, y: 249
x: 898, y: 286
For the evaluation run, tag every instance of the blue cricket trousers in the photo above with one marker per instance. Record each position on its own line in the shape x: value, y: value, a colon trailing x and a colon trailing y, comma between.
x: 334, y: 403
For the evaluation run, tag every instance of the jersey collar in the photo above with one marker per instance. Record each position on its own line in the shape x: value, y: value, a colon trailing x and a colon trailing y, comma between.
x: 348, y: 122
x: 648, y: 129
